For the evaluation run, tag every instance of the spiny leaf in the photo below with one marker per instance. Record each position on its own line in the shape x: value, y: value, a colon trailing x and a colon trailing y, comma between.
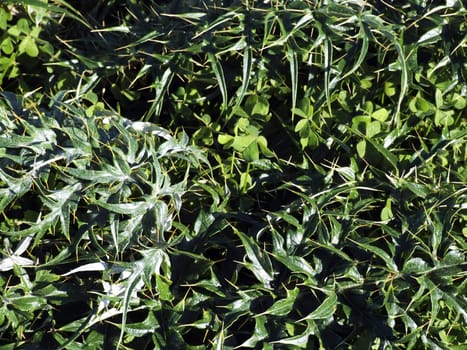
x: 325, y: 310
x: 390, y: 264
x: 282, y: 307
x: 261, y: 264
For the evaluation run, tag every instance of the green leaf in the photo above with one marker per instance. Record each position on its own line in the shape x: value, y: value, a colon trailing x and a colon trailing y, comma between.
x: 96, y: 266
x: 301, y: 340
x: 5, y: 17
x: 437, y: 229
x: 430, y: 37
x: 161, y: 86
x: 302, y: 123
x: 439, y: 98
x: 63, y: 8
x: 390, y: 264
x: 284, y: 306
x: 28, y: 303
x: 296, y: 264
x: 246, y: 73
x: 385, y: 153
x: 325, y: 310
x: 373, y: 128
x: 135, y: 208
x: 419, y: 104
x: 444, y: 118
x: 163, y: 288
x: 251, y: 153
x: 28, y: 45
x: 7, y: 46
x: 260, y: 263
x: 219, y: 72
x: 361, y: 149
x: 380, y: 114
x: 133, y: 285
x: 458, y: 102
x: 389, y: 90
x: 263, y: 145
x: 415, y: 265
x: 293, y: 63
x: 260, y: 332
x: 364, y: 35
x: 386, y: 213
x: 260, y: 105
x: 241, y: 143
x: 328, y: 58
x: 23, y: 25
x: 417, y: 189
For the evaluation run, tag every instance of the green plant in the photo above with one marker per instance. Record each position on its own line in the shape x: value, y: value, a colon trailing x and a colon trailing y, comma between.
x: 102, y: 191
x: 236, y: 174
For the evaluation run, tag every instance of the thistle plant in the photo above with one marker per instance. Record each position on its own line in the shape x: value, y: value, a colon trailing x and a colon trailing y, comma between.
x: 233, y: 174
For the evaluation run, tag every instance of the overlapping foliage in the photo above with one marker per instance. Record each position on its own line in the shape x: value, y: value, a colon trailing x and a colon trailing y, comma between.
x: 227, y: 174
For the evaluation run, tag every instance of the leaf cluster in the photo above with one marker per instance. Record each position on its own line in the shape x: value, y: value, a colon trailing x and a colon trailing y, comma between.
x: 233, y: 174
